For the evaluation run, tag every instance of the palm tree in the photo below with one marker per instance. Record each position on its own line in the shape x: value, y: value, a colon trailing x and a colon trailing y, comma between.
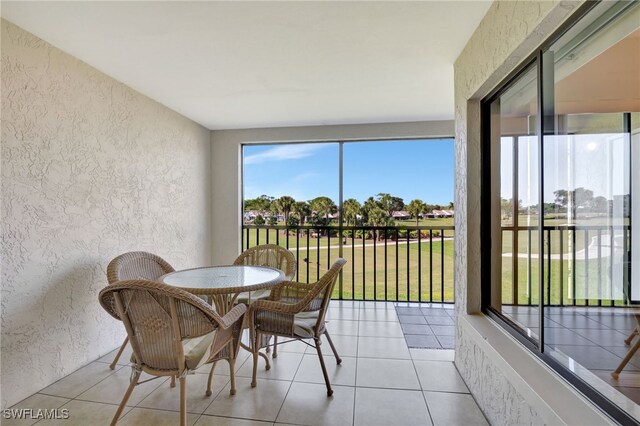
x: 379, y: 217
x: 323, y: 206
x: 285, y: 205
x: 415, y: 208
x: 302, y: 210
x: 351, y: 209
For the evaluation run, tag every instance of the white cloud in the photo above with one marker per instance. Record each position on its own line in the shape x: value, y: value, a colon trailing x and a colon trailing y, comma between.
x: 283, y: 152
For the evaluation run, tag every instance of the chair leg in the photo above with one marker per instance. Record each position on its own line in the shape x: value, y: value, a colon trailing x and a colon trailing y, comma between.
x: 267, y: 364
x: 115, y: 360
x: 173, y: 382
x: 125, y: 398
x: 183, y: 401
x: 232, y: 369
x: 254, y: 352
x: 275, y: 347
x: 628, y: 340
x: 324, y: 368
x: 333, y: 348
x: 213, y: 367
x: 626, y: 359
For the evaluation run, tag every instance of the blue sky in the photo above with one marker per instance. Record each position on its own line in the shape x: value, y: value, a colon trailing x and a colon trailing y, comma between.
x: 409, y: 169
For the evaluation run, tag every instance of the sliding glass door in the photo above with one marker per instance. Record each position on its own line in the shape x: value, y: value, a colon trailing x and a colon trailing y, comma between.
x: 562, y: 205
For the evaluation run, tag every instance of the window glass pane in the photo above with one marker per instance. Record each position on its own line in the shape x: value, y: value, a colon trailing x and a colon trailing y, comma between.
x: 398, y: 220
x: 590, y: 285
x: 514, y: 165
x: 294, y: 184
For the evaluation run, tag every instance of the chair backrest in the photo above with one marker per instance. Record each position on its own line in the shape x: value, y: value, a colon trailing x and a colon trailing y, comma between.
x: 323, y: 291
x: 157, y: 318
x: 137, y: 265
x: 269, y: 255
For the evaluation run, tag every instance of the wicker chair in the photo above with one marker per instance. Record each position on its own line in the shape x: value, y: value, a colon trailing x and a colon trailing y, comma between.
x: 297, y: 311
x: 135, y: 265
x: 267, y: 255
x: 172, y: 333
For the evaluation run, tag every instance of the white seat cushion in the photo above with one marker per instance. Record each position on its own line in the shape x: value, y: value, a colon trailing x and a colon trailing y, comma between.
x: 198, y: 350
x: 304, y: 323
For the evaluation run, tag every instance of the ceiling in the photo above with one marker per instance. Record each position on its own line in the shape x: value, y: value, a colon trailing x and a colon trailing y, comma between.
x: 233, y: 65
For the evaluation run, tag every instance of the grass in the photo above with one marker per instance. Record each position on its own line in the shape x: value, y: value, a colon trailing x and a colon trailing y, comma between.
x: 365, y: 274
x: 367, y: 277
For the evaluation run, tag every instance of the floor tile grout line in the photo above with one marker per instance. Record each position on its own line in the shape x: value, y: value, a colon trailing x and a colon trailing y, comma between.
x: 422, y: 391
x: 62, y: 378
x: 118, y: 404
x: 472, y: 396
x: 289, y: 389
x: 355, y: 380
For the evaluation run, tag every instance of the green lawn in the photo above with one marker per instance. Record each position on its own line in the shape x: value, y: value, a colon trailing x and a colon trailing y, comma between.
x: 367, y: 277
x: 363, y: 277
x: 591, y: 277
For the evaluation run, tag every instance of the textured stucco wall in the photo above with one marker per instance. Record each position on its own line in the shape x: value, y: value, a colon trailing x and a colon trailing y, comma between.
x: 90, y: 169
x: 509, y: 32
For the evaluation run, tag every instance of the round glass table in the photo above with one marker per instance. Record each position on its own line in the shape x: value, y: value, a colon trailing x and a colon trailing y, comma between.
x: 223, y: 284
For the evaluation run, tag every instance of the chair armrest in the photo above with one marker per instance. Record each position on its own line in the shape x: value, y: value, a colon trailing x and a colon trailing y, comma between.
x: 273, y: 306
x: 233, y: 316
x: 300, y: 289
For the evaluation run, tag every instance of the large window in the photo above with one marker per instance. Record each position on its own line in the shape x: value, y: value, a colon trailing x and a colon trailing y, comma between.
x: 386, y: 206
x: 562, y: 201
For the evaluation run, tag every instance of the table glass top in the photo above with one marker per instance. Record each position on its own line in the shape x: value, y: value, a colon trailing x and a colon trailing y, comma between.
x: 223, y: 277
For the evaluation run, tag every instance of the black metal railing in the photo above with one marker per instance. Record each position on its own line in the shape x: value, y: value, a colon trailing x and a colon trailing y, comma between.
x: 385, y: 263
x: 584, y: 265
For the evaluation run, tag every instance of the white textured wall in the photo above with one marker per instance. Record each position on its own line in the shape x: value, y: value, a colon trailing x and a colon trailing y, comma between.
x: 509, y: 384
x: 90, y: 169
x: 227, y: 173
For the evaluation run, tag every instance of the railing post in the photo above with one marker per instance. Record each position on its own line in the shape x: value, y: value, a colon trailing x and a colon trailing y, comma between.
x: 408, y: 265
x: 430, y: 265
x: 442, y: 265
x: 375, y: 267
x: 419, y: 264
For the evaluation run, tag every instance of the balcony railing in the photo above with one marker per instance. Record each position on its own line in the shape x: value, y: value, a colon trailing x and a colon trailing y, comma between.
x: 588, y: 265
x: 388, y: 263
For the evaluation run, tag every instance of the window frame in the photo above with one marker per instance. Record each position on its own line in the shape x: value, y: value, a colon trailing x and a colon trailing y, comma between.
x: 536, y: 60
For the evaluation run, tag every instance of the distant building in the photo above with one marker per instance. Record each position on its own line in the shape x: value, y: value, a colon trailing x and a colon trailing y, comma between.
x: 401, y: 215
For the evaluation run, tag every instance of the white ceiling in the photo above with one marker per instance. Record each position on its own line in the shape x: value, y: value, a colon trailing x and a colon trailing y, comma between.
x: 232, y: 65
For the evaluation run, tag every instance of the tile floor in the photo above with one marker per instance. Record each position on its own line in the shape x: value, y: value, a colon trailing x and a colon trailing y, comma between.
x: 381, y: 381
x: 592, y: 337
x: 427, y: 325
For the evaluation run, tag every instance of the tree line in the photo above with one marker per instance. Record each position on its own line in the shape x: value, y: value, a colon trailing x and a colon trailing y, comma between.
x: 566, y: 202
x: 375, y: 211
